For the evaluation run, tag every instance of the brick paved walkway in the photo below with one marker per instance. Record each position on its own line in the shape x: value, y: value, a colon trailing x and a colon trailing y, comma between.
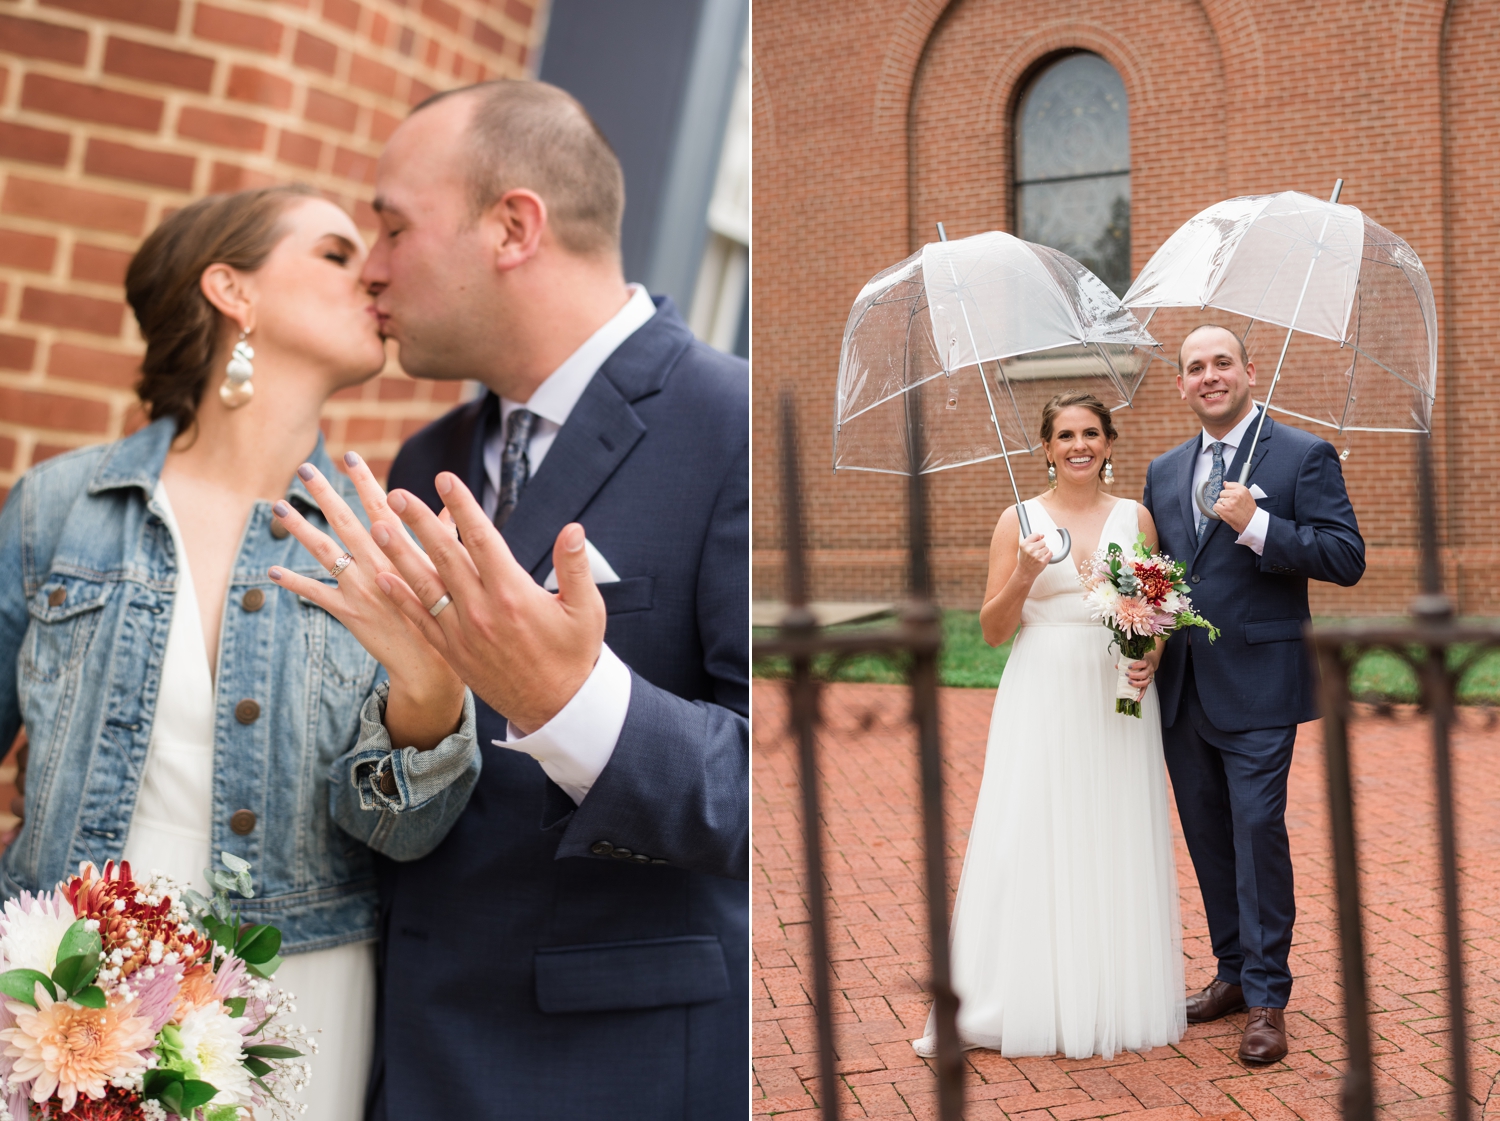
x: 879, y: 944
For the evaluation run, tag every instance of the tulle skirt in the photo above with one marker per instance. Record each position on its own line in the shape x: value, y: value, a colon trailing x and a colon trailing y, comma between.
x: 1065, y: 933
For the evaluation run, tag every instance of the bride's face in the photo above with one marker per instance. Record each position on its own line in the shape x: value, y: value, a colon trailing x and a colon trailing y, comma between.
x: 310, y: 310
x: 1078, y: 447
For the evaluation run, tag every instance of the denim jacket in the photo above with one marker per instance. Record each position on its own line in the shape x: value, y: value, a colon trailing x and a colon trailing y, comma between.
x: 88, y: 575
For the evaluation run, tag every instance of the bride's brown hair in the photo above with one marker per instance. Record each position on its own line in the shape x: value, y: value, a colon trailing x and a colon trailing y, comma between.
x: 181, y: 328
x: 1078, y: 399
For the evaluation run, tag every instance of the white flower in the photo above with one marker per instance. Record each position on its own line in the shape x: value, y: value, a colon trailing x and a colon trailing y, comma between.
x: 33, y: 930
x: 1102, y: 601
x: 211, y: 1038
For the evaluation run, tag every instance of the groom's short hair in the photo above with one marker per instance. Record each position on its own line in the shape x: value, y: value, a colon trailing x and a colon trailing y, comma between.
x: 531, y: 134
x: 1244, y: 354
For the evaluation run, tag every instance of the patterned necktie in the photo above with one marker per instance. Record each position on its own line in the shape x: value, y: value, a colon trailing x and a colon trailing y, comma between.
x: 515, y: 468
x: 1215, y: 484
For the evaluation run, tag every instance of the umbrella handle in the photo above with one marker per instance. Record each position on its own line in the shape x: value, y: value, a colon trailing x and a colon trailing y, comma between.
x: 1205, y: 507
x: 1067, y: 539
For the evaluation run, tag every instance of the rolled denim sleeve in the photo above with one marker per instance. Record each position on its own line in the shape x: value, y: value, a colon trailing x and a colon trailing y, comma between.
x: 402, y: 802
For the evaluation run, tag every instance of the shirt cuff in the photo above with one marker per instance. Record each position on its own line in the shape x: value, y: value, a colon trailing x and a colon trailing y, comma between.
x: 1254, y: 536
x: 576, y: 744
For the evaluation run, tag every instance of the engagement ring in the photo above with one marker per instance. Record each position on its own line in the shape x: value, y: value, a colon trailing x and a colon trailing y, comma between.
x: 339, y: 565
x: 437, y: 608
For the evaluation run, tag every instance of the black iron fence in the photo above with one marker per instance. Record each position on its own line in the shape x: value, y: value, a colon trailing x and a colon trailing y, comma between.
x: 1439, y: 648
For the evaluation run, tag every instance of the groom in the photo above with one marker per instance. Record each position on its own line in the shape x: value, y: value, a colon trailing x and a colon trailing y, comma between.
x: 1230, y: 708
x: 577, y: 946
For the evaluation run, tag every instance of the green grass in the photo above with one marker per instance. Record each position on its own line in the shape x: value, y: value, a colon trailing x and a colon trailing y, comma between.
x: 968, y: 662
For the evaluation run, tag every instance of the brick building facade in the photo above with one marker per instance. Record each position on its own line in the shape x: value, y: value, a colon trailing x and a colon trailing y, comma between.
x: 113, y: 112
x: 873, y: 120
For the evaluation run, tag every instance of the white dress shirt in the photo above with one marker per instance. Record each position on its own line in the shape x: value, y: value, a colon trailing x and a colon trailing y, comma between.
x: 1254, y: 537
x: 574, y: 746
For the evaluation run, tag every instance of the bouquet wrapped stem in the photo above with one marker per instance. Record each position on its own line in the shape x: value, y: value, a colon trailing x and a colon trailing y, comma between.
x: 1140, y: 601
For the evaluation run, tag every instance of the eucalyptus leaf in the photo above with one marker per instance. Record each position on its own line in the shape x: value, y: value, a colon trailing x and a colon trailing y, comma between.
x: 235, y: 864
x: 20, y: 984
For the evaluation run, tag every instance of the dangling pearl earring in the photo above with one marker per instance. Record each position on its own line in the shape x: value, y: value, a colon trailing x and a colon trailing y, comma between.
x: 237, y: 389
x: 1051, y: 476
x: 1109, y: 472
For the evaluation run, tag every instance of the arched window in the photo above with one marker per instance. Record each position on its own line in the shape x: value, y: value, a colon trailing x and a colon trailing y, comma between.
x: 1073, y: 165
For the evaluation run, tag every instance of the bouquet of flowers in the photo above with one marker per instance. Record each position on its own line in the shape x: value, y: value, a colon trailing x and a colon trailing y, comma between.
x: 123, y: 1000
x: 1138, y: 600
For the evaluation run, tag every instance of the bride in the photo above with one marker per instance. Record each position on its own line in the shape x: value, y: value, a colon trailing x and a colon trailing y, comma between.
x: 1065, y: 930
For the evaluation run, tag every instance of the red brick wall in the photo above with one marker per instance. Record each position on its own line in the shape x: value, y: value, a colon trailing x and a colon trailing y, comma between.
x: 113, y: 112
x: 875, y: 119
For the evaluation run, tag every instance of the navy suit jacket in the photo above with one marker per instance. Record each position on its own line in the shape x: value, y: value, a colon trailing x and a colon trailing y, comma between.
x: 1258, y: 673
x: 557, y: 961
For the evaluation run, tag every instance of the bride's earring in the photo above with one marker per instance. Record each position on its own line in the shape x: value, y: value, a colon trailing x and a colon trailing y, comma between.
x: 1051, y: 476
x: 237, y: 389
x: 1109, y: 472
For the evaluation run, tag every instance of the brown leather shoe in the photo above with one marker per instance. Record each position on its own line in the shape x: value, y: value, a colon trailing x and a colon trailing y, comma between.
x: 1219, y: 999
x: 1265, y: 1036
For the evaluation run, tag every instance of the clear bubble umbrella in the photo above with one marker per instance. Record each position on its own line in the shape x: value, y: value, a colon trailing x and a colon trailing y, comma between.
x: 1360, y: 349
x: 968, y: 339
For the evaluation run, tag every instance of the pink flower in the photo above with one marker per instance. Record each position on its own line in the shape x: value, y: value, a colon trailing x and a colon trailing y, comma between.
x: 1136, y: 616
x: 69, y: 1050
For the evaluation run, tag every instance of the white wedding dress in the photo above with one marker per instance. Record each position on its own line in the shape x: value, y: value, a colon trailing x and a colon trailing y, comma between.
x: 170, y: 832
x: 1065, y: 931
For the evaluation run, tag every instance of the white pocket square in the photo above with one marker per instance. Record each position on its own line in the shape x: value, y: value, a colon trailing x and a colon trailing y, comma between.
x: 1256, y: 492
x: 599, y: 569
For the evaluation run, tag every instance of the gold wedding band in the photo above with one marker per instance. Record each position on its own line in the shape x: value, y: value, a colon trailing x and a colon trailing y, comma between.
x: 339, y: 565
x: 437, y: 608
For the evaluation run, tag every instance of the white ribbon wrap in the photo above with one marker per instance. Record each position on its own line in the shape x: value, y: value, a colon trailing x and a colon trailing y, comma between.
x: 1124, y: 690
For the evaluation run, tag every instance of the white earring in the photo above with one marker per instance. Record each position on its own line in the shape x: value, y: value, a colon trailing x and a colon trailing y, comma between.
x: 237, y: 389
x: 1109, y: 472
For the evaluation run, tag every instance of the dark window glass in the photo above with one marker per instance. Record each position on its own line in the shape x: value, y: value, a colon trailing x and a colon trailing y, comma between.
x: 1073, y: 165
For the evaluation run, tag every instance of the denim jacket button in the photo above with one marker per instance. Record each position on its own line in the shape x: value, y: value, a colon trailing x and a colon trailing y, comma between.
x: 247, y: 712
x: 55, y: 599
x: 601, y: 848
x: 242, y: 821
x: 254, y: 600
x: 279, y: 529
x: 388, y: 784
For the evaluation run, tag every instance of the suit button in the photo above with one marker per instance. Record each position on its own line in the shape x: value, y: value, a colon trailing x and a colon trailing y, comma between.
x: 254, y: 600
x: 657, y: 860
x: 56, y: 597
x: 279, y: 529
x: 388, y: 784
x: 601, y: 848
x: 641, y: 858
x: 242, y: 821
x: 247, y: 711
x: 1195, y: 578
x: 620, y: 854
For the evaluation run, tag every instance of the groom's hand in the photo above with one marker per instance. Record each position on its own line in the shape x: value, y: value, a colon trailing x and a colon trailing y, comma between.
x: 524, y: 651
x: 1236, y: 506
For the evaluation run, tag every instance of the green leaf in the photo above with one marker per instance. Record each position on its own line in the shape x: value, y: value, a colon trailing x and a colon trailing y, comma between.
x: 75, y: 972
x: 266, y: 969
x: 90, y: 997
x: 79, y: 940
x: 235, y: 864
x: 236, y: 1006
x: 155, y: 1082
x: 171, y: 1098
x: 194, y: 1094
x: 272, y: 1051
x: 20, y: 984
x: 258, y: 944
x: 258, y: 1067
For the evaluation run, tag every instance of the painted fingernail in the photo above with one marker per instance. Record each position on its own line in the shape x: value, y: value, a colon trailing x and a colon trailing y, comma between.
x: 396, y: 501
x: 281, y: 509
x: 381, y: 535
x: 351, y: 459
x: 307, y: 471
x: 444, y: 483
x: 275, y: 574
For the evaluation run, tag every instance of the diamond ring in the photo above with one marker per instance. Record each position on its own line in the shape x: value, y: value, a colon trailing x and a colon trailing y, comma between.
x: 339, y: 565
x: 437, y: 608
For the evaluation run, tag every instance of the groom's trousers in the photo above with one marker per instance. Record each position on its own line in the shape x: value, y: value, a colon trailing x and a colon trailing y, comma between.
x: 1231, y: 798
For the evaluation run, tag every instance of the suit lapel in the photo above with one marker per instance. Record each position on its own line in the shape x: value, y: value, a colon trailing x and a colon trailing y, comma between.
x: 1189, y: 454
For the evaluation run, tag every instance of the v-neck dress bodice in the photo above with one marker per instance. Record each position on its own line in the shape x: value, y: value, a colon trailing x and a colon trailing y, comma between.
x: 171, y: 831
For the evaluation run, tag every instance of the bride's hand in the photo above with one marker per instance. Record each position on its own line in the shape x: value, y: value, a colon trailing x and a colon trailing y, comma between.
x: 1143, y: 671
x: 1033, y: 558
x: 426, y: 698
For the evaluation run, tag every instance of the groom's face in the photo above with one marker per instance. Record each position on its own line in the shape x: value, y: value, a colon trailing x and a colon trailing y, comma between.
x: 1215, y: 380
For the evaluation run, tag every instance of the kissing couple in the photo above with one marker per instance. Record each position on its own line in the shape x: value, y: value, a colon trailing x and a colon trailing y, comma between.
x: 482, y: 738
x: 1066, y: 935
